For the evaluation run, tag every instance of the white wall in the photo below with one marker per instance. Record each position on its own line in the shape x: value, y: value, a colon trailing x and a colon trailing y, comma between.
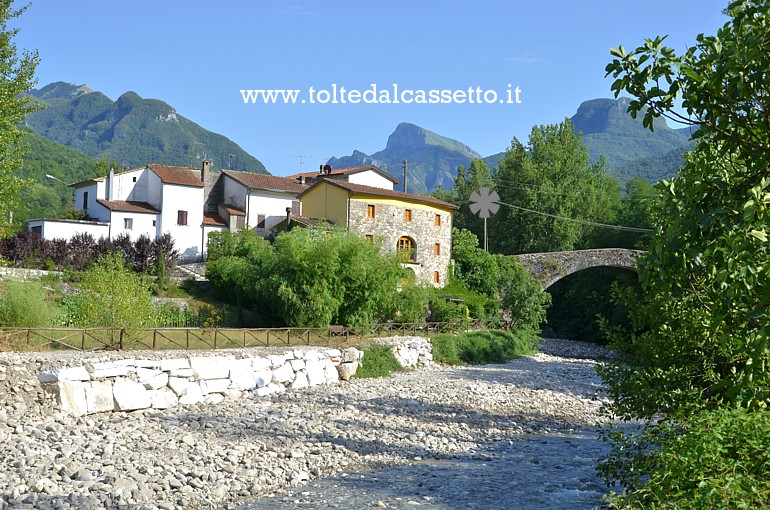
x: 125, y: 186
x: 188, y: 239
x: 63, y: 229
x: 207, y: 229
x: 270, y: 203
x: 370, y: 178
x: 94, y: 190
x: 142, y: 224
x: 235, y: 193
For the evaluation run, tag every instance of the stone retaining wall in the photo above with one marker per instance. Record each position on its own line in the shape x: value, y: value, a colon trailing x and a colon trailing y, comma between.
x: 87, y: 383
x: 131, y: 384
x: 410, y: 351
x: 19, y: 273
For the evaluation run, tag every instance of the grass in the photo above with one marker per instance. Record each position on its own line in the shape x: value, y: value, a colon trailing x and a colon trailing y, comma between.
x: 378, y: 361
x: 483, y: 347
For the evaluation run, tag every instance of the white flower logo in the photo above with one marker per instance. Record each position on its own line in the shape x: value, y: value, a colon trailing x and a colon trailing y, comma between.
x: 484, y: 202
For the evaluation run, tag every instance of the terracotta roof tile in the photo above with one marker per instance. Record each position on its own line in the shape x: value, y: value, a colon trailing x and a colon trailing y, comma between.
x: 233, y: 211
x: 346, y: 171
x: 210, y: 218
x: 124, y: 206
x: 178, y: 175
x: 267, y: 182
x: 371, y: 190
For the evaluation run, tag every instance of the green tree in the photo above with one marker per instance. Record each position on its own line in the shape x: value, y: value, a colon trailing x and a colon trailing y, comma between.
x: 310, y: 277
x: 17, y: 76
x: 550, y: 175
x: 699, y: 331
x: 467, y: 181
x: 708, y: 262
x: 111, y: 295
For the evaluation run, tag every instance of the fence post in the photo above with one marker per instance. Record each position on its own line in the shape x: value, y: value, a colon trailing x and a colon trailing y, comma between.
x: 244, y: 338
x: 187, y: 339
x: 121, y: 338
x: 29, y: 334
x: 215, y: 338
x: 83, y: 340
x: 154, y: 336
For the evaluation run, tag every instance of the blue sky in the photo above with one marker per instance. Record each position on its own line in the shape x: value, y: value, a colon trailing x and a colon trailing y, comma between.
x: 197, y: 55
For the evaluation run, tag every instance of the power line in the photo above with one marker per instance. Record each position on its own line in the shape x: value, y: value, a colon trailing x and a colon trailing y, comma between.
x: 585, y: 222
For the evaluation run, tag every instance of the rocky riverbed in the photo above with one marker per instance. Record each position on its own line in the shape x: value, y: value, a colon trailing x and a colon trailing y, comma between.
x: 475, y: 424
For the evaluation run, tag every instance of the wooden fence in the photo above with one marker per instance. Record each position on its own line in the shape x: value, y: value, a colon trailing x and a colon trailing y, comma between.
x: 93, y: 339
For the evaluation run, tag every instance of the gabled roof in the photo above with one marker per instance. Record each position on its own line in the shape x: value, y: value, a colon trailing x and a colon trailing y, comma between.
x: 355, y: 189
x: 125, y: 206
x: 347, y: 171
x: 266, y: 182
x: 177, y: 175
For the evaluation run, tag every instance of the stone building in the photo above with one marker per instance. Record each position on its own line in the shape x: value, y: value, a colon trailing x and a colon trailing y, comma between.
x: 417, y: 225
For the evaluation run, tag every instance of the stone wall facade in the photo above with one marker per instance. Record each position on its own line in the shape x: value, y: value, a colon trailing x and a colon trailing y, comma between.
x: 389, y: 224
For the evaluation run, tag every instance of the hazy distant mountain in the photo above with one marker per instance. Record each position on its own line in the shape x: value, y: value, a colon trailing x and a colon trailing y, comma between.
x: 630, y: 150
x: 131, y: 130
x: 609, y: 130
x: 432, y: 159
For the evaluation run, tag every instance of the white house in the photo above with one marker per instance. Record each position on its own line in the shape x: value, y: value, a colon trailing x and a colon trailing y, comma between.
x: 366, y: 175
x: 259, y: 201
x: 190, y: 203
x: 186, y: 203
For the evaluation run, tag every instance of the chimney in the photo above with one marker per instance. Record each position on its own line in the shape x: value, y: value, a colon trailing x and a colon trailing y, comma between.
x: 110, y: 184
x: 205, y: 169
x: 288, y: 219
x: 302, y: 179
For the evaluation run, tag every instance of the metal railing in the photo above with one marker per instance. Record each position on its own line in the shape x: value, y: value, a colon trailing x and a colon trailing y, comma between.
x: 94, y: 339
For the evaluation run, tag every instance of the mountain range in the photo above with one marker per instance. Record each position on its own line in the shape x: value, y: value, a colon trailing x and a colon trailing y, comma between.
x: 432, y: 159
x: 81, y: 125
x: 630, y: 150
x: 131, y: 130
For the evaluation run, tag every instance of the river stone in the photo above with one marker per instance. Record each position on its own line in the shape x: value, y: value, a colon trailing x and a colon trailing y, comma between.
x: 347, y: 369
x: 130, y: 395
x: 283, y: 374
x: 99, y: 397
x: 163, y: 398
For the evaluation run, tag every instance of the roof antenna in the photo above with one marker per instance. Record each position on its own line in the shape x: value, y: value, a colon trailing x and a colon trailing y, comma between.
x: 301, y: 158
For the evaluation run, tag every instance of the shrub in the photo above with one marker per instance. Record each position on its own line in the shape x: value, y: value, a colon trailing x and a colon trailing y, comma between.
x: 719, y: 461
x: 25, y: 304
x: 111, y: 295
x: 378, y: 361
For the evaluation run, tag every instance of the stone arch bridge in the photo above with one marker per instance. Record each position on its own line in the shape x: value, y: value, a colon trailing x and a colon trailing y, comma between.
x: 548, y: 268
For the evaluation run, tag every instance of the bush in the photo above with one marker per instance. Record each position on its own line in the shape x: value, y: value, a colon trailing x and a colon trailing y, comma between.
x: 111, y: 295
x: 25, y: 304
x: 481, y: 347
x: 719, y: 461
x: 378, y: 361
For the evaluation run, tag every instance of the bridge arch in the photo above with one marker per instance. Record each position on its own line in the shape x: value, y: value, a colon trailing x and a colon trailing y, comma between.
x: 549, y: 268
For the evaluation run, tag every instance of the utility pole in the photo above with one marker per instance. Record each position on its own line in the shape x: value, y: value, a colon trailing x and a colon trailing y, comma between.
x: 405, y: 175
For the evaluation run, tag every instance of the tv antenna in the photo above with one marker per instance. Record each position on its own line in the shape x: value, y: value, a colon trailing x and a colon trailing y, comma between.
x: 193, y: 154
x: 301, y: 158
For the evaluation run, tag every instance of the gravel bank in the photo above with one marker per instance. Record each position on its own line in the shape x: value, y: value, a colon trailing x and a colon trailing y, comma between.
x: 220, y: 456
